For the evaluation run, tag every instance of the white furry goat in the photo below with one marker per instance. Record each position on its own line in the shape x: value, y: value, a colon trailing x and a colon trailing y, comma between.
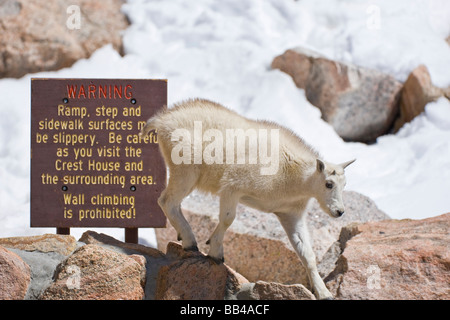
x: 197, y: 140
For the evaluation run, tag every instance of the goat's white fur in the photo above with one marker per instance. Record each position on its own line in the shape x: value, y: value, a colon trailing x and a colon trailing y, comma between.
x: 301, y: 176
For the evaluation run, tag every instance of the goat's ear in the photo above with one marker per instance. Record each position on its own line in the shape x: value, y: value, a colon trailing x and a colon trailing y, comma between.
x: 320, y: 165
x: 346, y: 164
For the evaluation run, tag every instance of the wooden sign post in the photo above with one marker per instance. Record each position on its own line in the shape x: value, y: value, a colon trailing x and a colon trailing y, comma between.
x: 89, y: 167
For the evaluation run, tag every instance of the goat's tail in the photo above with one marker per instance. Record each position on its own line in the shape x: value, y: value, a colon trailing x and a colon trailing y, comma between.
x: 149, y: 126
x: 152, y: 123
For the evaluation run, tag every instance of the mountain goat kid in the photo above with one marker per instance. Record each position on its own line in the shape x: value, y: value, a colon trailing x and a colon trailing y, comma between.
x: 257, y: 163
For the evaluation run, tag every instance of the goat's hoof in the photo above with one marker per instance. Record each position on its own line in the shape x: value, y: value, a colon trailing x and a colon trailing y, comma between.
x: 216, y: 261
x: 192, y: 248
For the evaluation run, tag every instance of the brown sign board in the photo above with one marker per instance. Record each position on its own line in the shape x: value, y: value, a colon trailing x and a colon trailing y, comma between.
x: 89, y: 167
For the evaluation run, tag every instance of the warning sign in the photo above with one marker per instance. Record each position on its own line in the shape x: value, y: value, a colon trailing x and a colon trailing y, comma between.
x: 89, y: 167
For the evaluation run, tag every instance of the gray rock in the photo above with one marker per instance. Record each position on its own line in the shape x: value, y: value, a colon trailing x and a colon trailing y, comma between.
x: 361, y: 104
x: 42, y: 265
x: 329, y: 259
x: 9, y: 8
x: 326, y: 230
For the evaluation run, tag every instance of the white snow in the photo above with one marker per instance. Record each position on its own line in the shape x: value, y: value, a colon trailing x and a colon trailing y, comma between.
x: 222, y: 50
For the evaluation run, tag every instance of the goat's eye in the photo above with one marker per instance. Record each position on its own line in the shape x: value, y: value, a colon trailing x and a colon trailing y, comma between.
x: 329, y: 185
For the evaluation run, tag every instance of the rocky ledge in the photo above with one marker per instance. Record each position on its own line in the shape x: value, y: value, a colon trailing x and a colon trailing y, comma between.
x: 388, y: 259
x: 57, y: 267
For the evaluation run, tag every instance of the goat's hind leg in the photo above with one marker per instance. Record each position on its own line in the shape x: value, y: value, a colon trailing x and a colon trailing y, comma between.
x: 228, y: 203
x: 170, y: 202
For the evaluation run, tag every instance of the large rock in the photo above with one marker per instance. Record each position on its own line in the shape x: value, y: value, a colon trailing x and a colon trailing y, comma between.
x: 395, y: 259
x: 42, y: 266
x: 193, y: 276
x: 417, y: 92
x: 34, y: 35
x: 14, y: 276
x: 155, y: 259
x: 262, y: 290
x: 62, y: 244
x: 92, y: 237
x: 361, y: 104
x: 257, y: 247
x: 96, y: 273
x: 297, y: 63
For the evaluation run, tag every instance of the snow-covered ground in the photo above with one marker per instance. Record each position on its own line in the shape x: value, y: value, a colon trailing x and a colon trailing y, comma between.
x: 222, y: 50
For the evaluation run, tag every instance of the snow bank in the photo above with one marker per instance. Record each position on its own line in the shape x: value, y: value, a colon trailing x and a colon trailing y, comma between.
x: 222, y: 50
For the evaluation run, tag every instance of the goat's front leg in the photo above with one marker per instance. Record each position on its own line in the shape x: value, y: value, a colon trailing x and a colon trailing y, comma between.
x: 297, y: 231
